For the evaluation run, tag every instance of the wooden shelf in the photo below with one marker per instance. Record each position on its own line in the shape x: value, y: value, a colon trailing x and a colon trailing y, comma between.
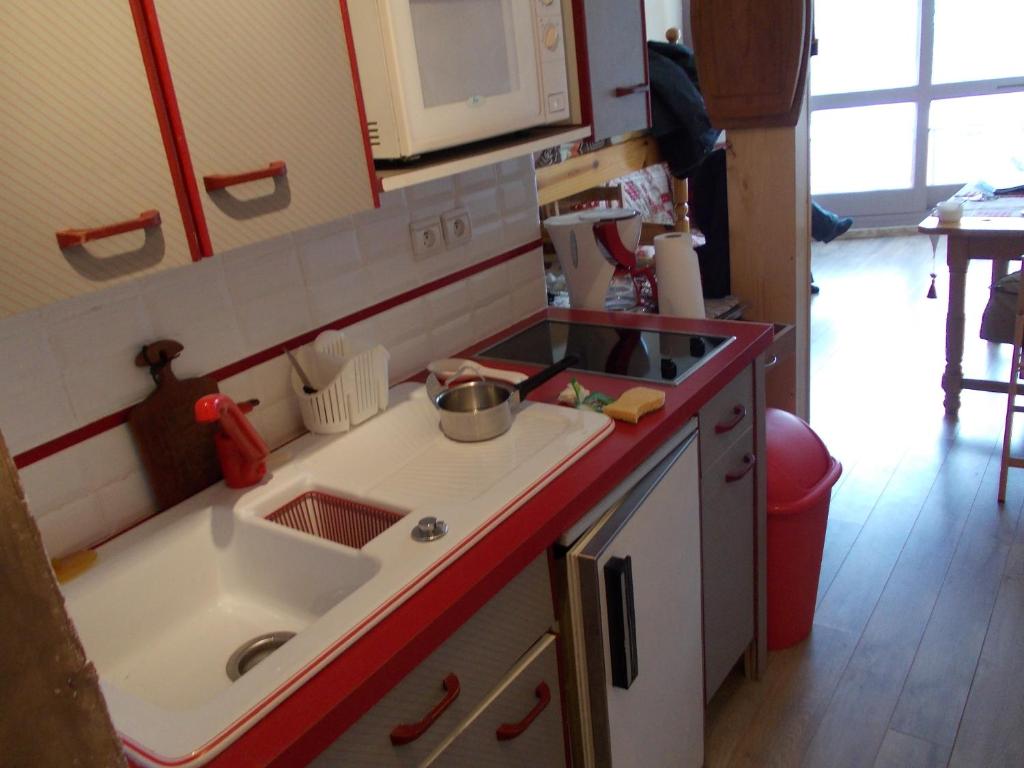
x: 576, y: 174
x: 448, y: 162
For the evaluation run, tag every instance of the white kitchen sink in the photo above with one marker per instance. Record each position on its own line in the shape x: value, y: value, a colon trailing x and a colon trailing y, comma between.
x: 164, y: 613
x: 168, y: 602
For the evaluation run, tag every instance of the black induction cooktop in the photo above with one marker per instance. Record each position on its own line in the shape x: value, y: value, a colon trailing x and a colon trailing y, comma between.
x: 658, y: 356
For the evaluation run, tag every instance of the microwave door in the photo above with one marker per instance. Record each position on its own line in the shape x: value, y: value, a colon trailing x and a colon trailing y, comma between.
x: 468, y: 70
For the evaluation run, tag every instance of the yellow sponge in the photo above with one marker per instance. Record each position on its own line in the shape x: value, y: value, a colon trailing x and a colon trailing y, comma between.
x: 634, y: 403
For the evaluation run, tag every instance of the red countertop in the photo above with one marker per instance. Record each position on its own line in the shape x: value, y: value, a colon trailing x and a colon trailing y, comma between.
x: 305, y: 723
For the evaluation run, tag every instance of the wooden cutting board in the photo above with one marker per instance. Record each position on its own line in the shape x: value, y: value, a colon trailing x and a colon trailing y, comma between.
x: 177, y: 452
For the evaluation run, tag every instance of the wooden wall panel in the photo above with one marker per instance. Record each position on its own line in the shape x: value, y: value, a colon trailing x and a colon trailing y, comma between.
x: 770, y: 243
x: 52, y: 711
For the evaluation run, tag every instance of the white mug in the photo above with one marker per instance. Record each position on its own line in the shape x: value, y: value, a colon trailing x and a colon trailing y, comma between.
x: 950, y: 211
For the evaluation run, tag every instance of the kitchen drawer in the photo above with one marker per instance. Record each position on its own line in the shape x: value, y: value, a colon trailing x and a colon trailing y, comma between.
x: 725, y: 417
x: 479, y: 654
x: 531, y: 689
x: 727, y: 544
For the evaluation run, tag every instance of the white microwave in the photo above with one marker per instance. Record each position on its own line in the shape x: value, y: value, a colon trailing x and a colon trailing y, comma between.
x: 440, y: 73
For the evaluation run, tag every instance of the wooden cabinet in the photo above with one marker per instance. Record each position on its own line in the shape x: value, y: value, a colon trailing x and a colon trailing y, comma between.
x: 445, y: 693
x: 611, y: 52
x: 730, y: 425
x: 270, y: 124
x: 82, y: 155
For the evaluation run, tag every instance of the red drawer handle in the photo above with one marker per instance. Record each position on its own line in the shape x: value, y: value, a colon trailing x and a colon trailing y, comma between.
x: 407, y: 732
x: 509, y: 731
x: 748, y: 464
x: 222, y: 181
x: 67, y: 238
x: 629, y: 90
x: 739, y: 413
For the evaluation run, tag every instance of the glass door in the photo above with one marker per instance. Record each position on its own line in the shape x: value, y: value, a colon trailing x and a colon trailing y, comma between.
x: 910, y: 99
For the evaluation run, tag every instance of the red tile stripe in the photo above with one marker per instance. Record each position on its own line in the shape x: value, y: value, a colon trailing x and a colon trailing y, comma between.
x: 101, y: 425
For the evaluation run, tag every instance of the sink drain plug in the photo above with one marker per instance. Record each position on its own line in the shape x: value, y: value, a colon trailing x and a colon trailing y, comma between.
x: 252, y: 652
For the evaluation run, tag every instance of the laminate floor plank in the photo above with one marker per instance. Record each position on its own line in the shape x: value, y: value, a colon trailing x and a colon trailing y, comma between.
x: 793, y: 702
x: 839, y: 539
x: 992, y: 732
x: 858, y: 716
x: 1004, y: 642
x: 921, y: 594
x: 900, y: 750
x: 937, y: 687
x: 913, y: 491
x: 992, y: 728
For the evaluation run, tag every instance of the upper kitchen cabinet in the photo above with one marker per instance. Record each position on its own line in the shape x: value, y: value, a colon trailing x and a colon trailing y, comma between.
x: 270, y: 135
x: 89, y: 196
x: 612, y: 59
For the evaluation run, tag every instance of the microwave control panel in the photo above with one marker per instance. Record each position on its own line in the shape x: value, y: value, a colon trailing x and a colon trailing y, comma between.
x: 551, y: 52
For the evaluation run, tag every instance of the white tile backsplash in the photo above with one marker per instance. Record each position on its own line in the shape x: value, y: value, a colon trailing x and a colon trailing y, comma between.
x: 55, y: 482
x: 488, y: 285
x: 72, y: 362
x: 71, y: 527
x: 108, y: 457
x: 105, y: 332
x: 452, y: 301
x: 329, y: 251
x: 123, y: 503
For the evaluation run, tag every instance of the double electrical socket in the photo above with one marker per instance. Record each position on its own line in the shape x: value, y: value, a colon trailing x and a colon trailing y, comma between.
x: 449, y: 230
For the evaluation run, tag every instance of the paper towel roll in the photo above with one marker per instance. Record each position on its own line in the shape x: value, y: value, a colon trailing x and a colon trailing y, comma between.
x: 678, y: 274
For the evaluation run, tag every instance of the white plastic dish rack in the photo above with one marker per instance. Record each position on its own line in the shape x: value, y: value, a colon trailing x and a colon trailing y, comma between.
x: 356, y: 388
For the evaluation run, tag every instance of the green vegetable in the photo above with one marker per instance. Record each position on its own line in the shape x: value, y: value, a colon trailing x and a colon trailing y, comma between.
x: 596, y: 401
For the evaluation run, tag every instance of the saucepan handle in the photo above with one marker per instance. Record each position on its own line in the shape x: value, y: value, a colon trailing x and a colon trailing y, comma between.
x: 434, y: 388
x: 526, y: 387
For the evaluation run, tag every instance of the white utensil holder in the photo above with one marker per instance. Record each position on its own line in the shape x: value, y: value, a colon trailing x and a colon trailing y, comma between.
x: 357, y: 391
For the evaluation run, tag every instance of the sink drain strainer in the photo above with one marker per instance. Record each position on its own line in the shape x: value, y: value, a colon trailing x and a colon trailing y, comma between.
x: 252, y: 652
x: 334, y: 518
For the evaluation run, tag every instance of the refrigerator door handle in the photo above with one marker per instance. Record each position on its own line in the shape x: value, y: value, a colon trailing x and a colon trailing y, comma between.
x: 618, y: 581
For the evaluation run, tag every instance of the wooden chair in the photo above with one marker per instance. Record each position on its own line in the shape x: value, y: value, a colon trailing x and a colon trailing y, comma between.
x: 1011, y: 408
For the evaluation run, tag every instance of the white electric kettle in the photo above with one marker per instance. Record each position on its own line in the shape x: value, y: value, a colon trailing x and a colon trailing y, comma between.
x: 590, y: 246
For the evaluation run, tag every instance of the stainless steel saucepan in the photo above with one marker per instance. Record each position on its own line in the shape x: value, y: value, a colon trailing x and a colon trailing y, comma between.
x: 481, y: 410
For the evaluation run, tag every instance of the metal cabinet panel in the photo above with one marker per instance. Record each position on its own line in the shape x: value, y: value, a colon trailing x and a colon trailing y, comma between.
x: 725, y: 417
x: 81, y: 149
x: 727, y: 547
x: 526, y: 708
x: 480, y: 653
x: 612, y: 47
x: 653, y: 715
x: 259, y: 82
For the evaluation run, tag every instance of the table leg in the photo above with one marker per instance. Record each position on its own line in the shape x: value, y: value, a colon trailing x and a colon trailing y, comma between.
x: 952, y: 378
x: 1000, y: 268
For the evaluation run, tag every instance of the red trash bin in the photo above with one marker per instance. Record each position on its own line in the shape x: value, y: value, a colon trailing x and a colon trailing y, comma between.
x: 800, y: 475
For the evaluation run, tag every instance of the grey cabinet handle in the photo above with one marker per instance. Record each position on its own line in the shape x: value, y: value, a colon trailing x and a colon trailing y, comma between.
x: 749, y: 460
x: 739, y: 413
x: 629, y: 90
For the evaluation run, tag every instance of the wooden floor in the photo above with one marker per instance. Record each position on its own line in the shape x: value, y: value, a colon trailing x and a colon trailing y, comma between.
x: 916, y: 658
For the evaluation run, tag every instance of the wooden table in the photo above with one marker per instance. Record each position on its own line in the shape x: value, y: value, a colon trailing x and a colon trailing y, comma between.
x: 991, y: 230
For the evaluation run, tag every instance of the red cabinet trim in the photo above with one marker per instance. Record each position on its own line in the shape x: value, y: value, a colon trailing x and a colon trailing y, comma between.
x: 166, y: 122
x: 162, y: 75
x: 376, y: 186
x: 101, y: 425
